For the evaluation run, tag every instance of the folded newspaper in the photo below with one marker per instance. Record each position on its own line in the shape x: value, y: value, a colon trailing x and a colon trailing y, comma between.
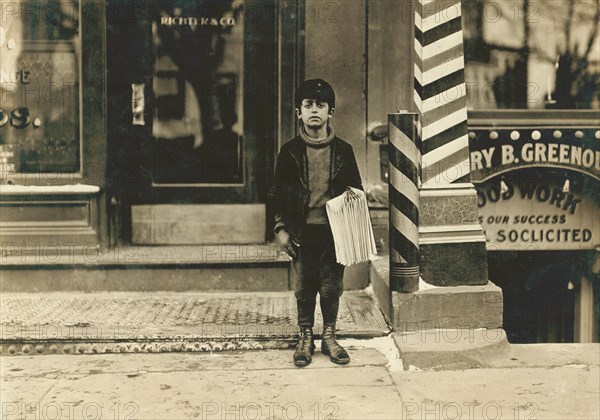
x: 351, y: 226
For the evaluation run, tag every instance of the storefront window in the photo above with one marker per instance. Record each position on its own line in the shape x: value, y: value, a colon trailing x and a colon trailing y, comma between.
x: 529, y: 54
x: 198, y: 125
x: 39, y: 87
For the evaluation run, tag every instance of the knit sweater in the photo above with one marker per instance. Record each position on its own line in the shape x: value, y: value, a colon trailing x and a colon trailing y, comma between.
x: 318, y: 156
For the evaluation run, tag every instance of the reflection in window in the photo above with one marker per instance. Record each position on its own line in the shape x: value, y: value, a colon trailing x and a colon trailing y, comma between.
x: 197, y: 126
x: 532, y: 55
x: 39, y: 87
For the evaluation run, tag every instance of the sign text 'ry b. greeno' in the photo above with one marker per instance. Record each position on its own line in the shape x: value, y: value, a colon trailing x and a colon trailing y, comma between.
x: 494, y: 152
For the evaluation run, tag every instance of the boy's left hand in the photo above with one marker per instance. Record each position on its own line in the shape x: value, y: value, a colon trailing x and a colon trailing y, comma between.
x: 283, y: 237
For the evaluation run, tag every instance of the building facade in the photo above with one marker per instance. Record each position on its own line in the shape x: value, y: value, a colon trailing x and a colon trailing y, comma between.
x: 85, y: 172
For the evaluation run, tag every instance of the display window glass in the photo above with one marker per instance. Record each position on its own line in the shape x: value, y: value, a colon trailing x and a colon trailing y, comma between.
x: 532, y: 55
x: 198, y: 122
x: 40, y: 87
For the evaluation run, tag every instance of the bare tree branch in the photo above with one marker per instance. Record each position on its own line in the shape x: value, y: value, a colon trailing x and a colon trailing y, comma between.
x: 526, y: 26
x: 569, y: 25
x: 594, y: 33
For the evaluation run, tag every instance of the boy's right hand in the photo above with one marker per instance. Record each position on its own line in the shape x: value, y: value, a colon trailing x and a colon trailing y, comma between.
x: 283, y: 237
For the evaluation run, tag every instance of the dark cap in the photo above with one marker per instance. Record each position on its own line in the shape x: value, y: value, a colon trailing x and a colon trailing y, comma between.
x: 317, y: 89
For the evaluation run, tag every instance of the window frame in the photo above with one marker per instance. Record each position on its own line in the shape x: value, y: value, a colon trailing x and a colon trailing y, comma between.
x: 92, y: 108
x: 540, y: 118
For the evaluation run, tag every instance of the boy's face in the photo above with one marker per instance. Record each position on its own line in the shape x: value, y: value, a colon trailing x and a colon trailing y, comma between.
x: 314, y: 113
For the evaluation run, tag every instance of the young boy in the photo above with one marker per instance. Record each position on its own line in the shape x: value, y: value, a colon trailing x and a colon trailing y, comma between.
x: 311, y: 169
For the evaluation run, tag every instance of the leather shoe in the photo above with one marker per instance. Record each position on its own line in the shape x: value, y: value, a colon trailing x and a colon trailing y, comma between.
x: 330, y: 347
x: 305, y: 348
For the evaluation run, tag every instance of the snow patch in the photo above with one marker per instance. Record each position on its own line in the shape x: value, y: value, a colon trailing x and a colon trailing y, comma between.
x: 369, y: 291
x: 49, y: 189
x: 385, y: 345
x: 576, y: 366
x: 423, y: 285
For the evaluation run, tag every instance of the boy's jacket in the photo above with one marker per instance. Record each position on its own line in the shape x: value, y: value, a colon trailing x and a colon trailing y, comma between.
x: 289, y: 192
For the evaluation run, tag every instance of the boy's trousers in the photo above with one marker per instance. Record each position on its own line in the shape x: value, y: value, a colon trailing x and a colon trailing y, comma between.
x: 317, y: 271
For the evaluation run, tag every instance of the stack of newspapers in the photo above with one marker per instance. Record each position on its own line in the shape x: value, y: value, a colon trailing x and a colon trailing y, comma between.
x: 351, y: 226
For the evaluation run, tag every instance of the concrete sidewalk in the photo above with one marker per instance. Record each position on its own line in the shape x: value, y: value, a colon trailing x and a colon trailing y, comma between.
x: 536, y: 382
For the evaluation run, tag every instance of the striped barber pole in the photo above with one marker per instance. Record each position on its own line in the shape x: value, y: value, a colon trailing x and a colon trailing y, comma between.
x: 405, y: 173
x: 440, y: 91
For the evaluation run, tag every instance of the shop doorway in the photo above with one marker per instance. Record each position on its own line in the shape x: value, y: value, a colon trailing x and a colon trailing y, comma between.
x: 545, y: 294
x: 198, y: 170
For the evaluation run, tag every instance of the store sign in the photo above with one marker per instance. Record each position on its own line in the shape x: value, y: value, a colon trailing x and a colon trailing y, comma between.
x: 497, y: 151
x: 9, y: 159
x: 194, y: 21
x: 39, y: 107
x: 525, y: 216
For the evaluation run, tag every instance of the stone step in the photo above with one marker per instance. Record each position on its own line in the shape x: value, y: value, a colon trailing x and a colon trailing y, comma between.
x: 228, y: 267
x: 453, y: 307
x: 177, y: 278
x: 129, y: 255
x: 452, y: 349
x: 233, y: 267
x: 430, y: 307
